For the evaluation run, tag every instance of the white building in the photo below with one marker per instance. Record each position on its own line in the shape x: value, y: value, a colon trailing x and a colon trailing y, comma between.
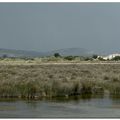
x: 109, y: 57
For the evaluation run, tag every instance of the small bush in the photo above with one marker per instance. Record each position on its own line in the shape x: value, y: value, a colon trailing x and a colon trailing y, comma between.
x: 88, y: 59
x: 101, y: 59
x: 69, y: 58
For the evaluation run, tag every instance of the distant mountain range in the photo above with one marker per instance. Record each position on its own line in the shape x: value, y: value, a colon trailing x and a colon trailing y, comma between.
x: 19, y: 53
x: 63, y: 52
x: 72, y: 51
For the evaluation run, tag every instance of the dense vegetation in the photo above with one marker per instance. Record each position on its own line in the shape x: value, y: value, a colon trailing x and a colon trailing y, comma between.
x: 59, y: 58
x: 29, y: 78
x: 36, y: 81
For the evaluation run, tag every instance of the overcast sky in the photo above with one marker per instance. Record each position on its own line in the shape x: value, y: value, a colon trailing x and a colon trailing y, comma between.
x: 50, y: 26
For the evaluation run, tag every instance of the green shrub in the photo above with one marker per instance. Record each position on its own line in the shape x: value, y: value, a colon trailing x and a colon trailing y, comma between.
x: 69, y: 58
x: 88, y: 59
x: 101, y: 59
x: 116, y: 58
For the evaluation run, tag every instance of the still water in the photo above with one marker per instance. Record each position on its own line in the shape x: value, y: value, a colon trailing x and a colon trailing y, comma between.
x: 61, y: 108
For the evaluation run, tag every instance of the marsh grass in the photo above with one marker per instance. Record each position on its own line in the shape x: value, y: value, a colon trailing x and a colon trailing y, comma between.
x: 37, y: 81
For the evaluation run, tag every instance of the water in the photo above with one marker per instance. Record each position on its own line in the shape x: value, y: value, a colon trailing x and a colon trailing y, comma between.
x: 61, y: 108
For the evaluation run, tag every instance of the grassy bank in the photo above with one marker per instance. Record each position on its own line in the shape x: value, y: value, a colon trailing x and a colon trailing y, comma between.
x: 36, y: 81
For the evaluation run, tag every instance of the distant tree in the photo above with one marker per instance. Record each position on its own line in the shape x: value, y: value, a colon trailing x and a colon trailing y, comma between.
x: 95, y: 56
x: 57, y: 55
x: 116, y: 58
x: 4, y: 56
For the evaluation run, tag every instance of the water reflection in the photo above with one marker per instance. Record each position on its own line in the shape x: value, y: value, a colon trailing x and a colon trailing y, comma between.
x: 8, y: 99
x: 62, y: 107
x: 84, y: 97
x: 115, y: 101
x: 31, y: 103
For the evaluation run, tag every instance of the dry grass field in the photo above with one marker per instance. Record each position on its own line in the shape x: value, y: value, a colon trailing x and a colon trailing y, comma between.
x: 26, y: 80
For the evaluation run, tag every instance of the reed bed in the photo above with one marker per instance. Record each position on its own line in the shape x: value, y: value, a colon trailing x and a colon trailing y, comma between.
x: 37, y: 81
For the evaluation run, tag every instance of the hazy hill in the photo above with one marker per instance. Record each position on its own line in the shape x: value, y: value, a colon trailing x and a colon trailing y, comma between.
x: 63, y: 52
x: 72, y: 51
x: 19, y: 53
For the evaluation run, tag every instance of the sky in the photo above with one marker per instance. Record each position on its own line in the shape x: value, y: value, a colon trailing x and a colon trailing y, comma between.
x: 50, y: 26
